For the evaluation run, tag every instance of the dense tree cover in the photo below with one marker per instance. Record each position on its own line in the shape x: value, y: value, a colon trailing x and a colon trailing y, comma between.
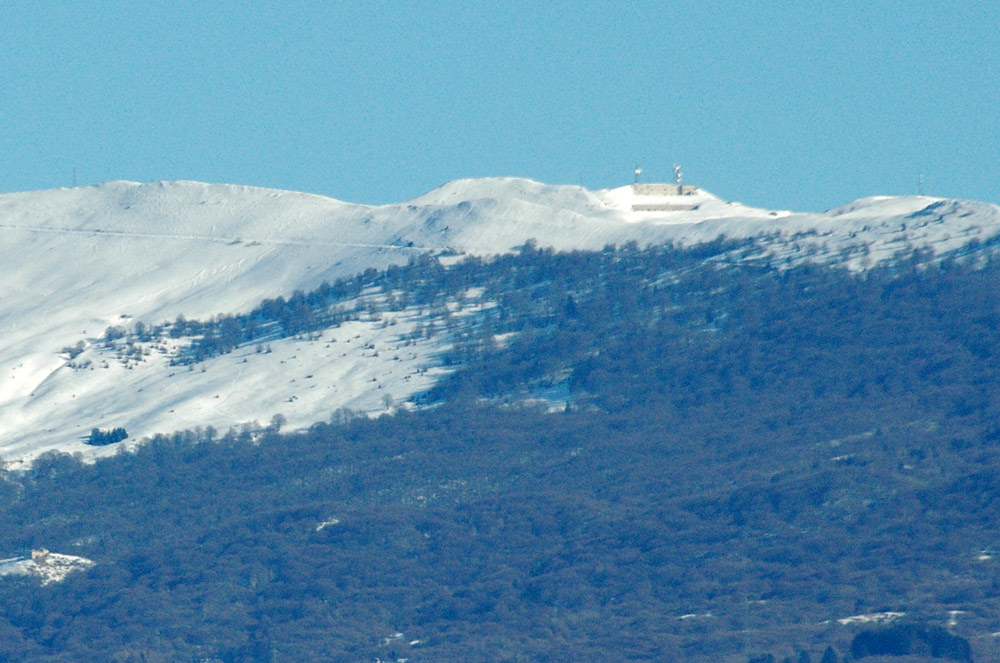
x: 99, y: 437
x: 915, y: 641
x: 903, y: 640
x: 741, y: 457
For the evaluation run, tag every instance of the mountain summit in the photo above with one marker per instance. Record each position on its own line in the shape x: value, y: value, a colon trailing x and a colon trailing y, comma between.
x: 84, y: 265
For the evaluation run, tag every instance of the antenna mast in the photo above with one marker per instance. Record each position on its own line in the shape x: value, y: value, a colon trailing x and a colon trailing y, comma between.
x: 678, y: 174
x: 638, y: 172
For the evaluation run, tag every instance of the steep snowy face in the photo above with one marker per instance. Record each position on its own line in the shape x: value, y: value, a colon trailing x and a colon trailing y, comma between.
x: 78, y: 261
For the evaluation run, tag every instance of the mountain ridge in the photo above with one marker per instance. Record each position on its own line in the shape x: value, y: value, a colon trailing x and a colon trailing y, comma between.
x: 130, y: 253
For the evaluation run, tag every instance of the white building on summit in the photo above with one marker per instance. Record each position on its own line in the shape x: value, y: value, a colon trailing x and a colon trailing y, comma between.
x: 663, y: 197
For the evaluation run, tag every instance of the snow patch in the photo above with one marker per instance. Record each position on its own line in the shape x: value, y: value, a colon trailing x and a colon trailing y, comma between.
x: 48, y: 567
x: 871, y: 618
x: 327, y: 523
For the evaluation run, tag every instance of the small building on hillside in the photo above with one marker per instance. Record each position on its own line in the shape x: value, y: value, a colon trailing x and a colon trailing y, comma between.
x: 659, y: 189
x: 657, y: 197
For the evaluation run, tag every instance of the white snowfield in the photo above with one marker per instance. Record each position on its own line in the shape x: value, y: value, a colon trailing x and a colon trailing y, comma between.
x: 77, y: 261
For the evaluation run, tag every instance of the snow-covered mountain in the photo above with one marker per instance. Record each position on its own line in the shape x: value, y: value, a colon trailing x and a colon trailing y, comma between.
x: 78, y: 261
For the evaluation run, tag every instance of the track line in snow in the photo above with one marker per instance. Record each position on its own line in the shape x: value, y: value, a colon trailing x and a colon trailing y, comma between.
x: 210, y: 238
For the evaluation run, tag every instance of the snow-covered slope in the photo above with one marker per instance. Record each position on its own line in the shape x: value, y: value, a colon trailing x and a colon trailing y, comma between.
x: 77, y: 261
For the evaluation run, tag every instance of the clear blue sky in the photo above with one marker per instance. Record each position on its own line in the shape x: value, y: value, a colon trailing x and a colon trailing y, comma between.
x: 799, y: 105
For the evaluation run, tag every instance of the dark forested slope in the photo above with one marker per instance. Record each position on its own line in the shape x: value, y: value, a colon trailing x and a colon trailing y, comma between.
x: 721, y: 461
